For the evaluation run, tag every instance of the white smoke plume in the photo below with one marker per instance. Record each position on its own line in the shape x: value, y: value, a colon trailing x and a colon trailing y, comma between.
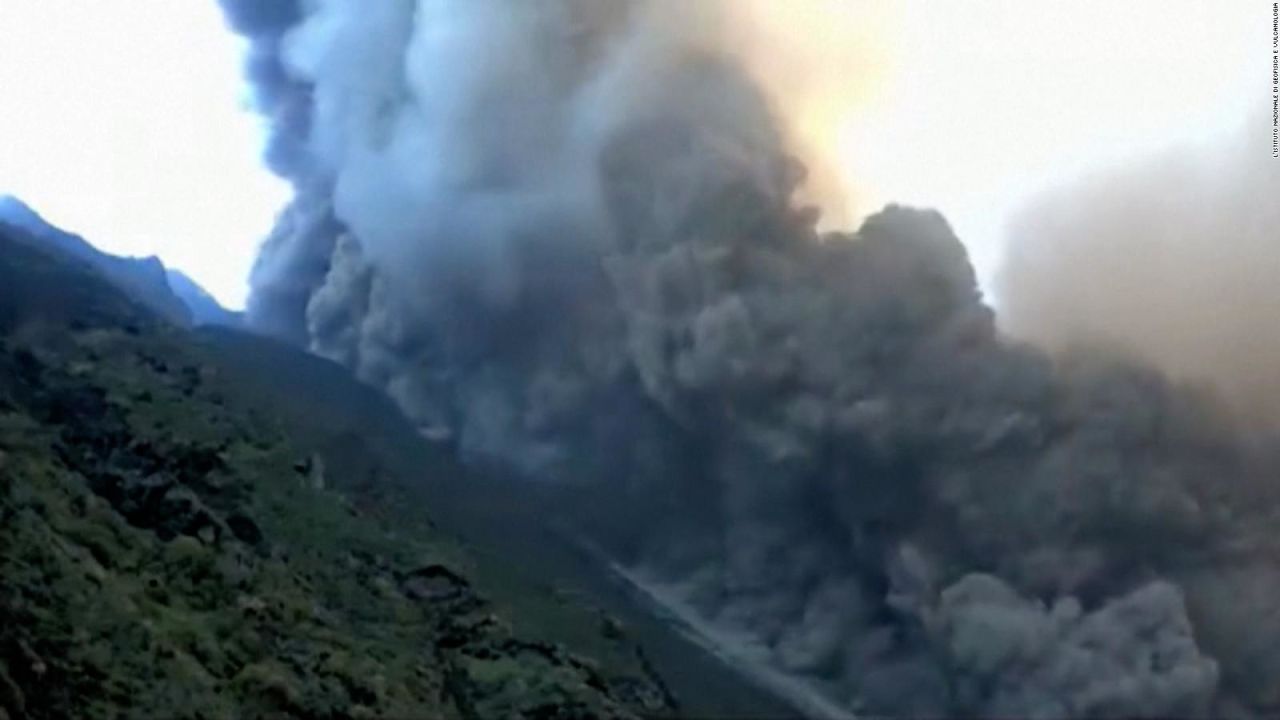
x: 569, y: 234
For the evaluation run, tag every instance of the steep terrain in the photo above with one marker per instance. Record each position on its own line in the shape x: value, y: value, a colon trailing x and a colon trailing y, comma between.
x: 529, y: 563
x: 204, y: 308
x: 169, y: 547
x: 142, y: 279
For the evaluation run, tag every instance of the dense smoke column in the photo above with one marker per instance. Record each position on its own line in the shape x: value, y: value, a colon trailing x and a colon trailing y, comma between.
x: 563, y: 234
x: 292, y: 264
x: 278, y: 96
x: 293, y: 261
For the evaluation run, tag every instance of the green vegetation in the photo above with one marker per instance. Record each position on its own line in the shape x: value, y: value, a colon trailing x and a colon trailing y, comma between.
x: 171, y: 545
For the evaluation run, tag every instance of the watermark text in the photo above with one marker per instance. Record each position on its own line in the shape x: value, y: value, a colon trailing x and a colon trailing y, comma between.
x: 1275, y: 79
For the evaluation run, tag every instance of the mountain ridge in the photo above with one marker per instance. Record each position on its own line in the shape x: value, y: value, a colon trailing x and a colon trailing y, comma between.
x: 171, y: 550
x: 167, y: 291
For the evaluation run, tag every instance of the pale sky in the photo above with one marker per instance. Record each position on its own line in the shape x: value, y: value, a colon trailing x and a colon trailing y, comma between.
x: 988, y: 101
x: 126, y: 120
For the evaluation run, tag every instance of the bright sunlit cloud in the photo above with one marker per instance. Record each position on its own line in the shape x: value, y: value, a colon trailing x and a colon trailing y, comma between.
x: 988, y: 101
x: 126, y: 121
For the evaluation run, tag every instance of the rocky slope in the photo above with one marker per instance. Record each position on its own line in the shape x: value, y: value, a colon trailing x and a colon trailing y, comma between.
x: 170, y: 548
x: 527, y: 559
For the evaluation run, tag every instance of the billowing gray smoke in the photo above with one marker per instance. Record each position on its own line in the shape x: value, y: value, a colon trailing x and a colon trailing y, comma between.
x: 563, y: 234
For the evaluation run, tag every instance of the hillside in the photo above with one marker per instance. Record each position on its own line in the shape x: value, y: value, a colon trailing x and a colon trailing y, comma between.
x: 172, y: 547
x: 522, y: 558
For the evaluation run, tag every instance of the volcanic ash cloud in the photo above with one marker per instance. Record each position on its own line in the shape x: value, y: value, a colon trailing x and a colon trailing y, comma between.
x: 566, y: 235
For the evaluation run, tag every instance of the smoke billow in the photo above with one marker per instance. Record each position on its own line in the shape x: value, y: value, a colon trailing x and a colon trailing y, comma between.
x: 566, y: 234
x: 1172, y: 258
